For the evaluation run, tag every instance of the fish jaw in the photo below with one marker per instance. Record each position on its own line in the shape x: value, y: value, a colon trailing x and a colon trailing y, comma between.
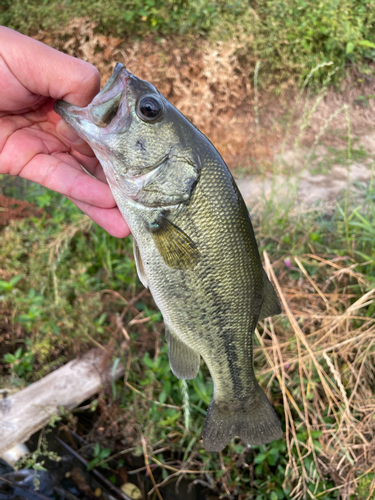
x: 94, y: 122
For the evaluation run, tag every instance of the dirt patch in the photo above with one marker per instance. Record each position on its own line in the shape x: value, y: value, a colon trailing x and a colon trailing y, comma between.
x: 323, y: 176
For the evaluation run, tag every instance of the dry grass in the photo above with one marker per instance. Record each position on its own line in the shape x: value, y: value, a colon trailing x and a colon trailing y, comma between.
x: 211, y: 85
x: 325, y: 368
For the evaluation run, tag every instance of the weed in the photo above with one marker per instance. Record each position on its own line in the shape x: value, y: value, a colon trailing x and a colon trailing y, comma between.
x: 99, y: 457
x: 288, y: 37
x: 36, y: 459
x: 20, y: 363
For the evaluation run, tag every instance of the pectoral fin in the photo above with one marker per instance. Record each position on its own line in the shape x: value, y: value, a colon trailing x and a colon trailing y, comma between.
x: 177, y: 249
x: 271, y: 304
x: 139, y: 264
x: 183, y: 359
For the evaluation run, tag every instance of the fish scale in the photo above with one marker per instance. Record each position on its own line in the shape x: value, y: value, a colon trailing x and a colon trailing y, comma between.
x: 195, y: 246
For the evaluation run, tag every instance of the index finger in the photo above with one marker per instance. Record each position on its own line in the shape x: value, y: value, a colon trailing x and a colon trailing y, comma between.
x: 45, y: 71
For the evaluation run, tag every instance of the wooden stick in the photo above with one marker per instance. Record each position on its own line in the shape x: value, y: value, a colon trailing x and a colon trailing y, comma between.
x: 32, y: 408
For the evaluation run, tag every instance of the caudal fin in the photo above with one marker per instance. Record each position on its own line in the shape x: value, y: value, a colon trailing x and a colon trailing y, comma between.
x: 254, y: 421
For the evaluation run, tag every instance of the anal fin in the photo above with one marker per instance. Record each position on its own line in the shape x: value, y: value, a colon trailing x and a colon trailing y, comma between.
x: 271, y: 304
x: 184, y: 361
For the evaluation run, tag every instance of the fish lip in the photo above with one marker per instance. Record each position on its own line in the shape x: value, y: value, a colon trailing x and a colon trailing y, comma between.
x: 84, y: 121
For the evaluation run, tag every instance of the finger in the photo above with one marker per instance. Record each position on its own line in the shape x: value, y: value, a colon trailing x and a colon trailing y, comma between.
x: 91, y: 165
x: 47, y: 72
x: 20, y: 141
x: 109, y: 219
x: 54, y: 173
x: 70, y: 137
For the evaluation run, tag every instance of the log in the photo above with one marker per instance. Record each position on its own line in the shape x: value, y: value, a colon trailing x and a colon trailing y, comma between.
x: 30, y: 409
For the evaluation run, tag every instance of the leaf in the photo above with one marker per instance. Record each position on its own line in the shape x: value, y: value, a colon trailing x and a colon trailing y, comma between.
x: 128, y: 15
x: 316, y: 434
x: 16, y: 279
x: 18, y: 353
x: 162, y: 397
x: 9, y: 358
x: 349, y: 47
x: 105, y: 452
x: 4, y: 285
x: 366, y: 43
x: 260, y: 458
x: 38, y: 467
x: 148, y: 361
x: 132, y: 491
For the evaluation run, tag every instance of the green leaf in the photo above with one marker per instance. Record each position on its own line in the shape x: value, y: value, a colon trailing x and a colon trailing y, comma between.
x: 366, y: 43
x: 9, y: 358
x: 148, y: 361
x: 38, y: 467
x: 105, y: 452
x: 349, y: 47
x: 128, y: 16
x: 4, y: 285
x: 18, y: 353
x: 260, y: 458
x: 316, y: 434
x: 162, y: 397
x: 259, y: 470
x: 16, y: 279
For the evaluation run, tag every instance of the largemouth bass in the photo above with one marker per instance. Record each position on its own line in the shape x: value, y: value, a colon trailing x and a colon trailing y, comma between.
x: 194, y: 246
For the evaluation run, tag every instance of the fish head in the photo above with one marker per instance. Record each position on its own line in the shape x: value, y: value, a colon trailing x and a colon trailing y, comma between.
x: 143, y: 142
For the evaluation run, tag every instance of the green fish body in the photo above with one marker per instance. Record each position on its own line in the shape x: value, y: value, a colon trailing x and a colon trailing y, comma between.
x: 194, y: 246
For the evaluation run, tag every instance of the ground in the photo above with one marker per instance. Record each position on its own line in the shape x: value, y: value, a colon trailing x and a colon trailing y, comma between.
x: 65, y: 285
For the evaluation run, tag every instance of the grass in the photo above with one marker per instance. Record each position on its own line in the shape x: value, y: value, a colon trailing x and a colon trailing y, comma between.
x: 66, y: 286
x: 288, y: 37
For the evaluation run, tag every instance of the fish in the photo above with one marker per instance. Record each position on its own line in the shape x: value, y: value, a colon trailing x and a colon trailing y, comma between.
x: 194, y: 246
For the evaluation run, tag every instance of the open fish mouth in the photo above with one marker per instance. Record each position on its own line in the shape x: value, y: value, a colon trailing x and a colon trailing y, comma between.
x: 107, y: 112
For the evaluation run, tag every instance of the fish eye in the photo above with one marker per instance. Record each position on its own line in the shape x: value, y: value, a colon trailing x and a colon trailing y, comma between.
x: 149, y: 108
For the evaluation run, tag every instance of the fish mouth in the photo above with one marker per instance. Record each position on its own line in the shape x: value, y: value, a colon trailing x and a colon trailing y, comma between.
x: 108, y: 111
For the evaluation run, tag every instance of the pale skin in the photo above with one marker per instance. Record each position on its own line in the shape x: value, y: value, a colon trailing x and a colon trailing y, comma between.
x: 34, y: 142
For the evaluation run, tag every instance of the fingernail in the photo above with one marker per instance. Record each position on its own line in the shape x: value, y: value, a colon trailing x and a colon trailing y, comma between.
x: 67, y: 133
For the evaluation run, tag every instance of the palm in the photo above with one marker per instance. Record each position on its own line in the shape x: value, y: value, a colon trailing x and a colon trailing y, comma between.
x: 32, y: 136
x: 31, y: 148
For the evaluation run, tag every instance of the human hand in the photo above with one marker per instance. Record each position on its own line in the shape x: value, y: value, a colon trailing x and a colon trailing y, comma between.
x: 34, y: 142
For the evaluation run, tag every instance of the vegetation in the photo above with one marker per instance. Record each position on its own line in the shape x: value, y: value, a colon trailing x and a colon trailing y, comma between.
x: 288, y: 37
x: 66, y: 285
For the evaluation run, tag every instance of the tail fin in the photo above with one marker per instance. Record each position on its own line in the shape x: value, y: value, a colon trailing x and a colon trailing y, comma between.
x: 254, y: 421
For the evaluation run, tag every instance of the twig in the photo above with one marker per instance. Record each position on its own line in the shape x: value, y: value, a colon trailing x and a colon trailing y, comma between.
x: 149, y: 468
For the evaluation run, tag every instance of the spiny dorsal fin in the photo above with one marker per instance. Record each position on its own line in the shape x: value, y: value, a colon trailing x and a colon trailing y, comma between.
x: 139, y: 264
x: 271, y: 304
x: 177, y: 249
x: 183, y: 359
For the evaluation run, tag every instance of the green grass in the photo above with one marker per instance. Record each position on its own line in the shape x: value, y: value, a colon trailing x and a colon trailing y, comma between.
x: 68, y: 281
x: 289, y: 38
